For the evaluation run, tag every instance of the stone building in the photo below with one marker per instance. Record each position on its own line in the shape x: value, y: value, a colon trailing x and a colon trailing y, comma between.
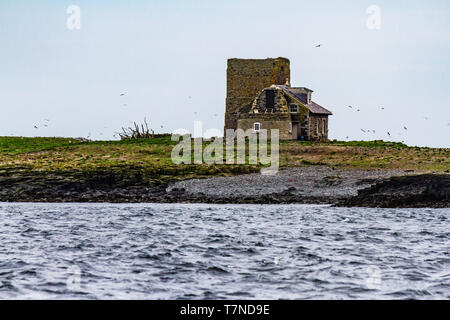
x: 259, y: 96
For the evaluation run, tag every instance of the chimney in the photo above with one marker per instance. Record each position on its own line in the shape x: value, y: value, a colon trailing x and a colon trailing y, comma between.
x: 287, y: 84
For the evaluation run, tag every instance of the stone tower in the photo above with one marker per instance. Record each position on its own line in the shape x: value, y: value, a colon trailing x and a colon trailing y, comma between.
x: 246, y: 78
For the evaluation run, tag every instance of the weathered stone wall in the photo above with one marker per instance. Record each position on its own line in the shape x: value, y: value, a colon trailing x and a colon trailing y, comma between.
x: 269, y: 121
x: 302, y: 114
x: 246, y: 78
x: 316, y: 132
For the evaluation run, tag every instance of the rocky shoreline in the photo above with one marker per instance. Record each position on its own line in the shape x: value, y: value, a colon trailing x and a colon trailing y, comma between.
x: 307, y: 185
x: 418, y: 191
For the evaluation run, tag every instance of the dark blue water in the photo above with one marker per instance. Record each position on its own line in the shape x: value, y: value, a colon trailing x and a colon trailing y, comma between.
x: 176, y: 251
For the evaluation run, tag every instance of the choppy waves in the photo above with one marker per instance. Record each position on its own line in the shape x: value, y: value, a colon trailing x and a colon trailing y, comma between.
x: 176, y: 251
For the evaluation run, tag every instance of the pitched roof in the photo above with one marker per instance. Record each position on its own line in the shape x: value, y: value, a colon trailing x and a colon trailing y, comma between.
x: 315, y: 108
x: 296, y: 93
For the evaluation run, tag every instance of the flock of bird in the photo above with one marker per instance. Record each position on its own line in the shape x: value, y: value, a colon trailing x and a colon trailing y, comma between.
x: 47, y: 121
x: 162, y: 126
x: 45, y: 125
x: 388, y: 133
x: 382, y: 108
x: 371, y: 130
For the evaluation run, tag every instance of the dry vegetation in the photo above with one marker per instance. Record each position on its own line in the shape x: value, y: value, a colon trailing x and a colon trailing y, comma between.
x: 137, y: 131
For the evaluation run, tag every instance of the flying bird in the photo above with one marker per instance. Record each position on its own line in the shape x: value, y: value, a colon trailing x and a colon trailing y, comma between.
x: 405, y: 128
x: 358, y: 110
x: 318, y: 46
x: 382, y: 108
x: 350, y: 107
x: 363, y: 130
x: 35, y: 127
x: 389, y: 134
x: 122, y: 94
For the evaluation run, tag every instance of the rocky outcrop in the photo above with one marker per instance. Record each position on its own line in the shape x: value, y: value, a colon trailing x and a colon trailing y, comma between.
x: 310, y: 185
x: 426, y: 190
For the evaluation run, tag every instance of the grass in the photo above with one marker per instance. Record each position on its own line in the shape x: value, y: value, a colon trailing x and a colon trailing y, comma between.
x: 366, y: 155
x: 151, y: 158
x: 18, y: 145
x: 130, y: 160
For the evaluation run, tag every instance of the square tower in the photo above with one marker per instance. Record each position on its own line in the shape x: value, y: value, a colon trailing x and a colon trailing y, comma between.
x: 246, y: 78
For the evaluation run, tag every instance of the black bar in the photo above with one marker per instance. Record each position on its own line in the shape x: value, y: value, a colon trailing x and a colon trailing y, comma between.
x: 228, y: 309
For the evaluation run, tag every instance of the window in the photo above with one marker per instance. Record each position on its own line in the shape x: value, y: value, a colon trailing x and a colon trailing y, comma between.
x: 317, y: 126
x: 270, y: 99
x: 293, y: 108
x: 323, y: 126
x: 256, y: 126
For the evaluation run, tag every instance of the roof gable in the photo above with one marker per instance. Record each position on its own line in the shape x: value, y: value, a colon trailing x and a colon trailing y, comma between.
x: 296, y: 93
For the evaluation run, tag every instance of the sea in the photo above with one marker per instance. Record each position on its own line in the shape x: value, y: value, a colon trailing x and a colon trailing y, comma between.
x: 208, y: 251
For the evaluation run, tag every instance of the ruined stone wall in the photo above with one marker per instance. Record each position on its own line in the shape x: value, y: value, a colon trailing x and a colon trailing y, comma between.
x: 269, y: 121
x: 280, y: 102
x: 246, y: 78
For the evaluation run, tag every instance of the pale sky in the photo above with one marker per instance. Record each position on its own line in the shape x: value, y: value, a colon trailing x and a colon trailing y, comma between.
x: 169, y: 58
